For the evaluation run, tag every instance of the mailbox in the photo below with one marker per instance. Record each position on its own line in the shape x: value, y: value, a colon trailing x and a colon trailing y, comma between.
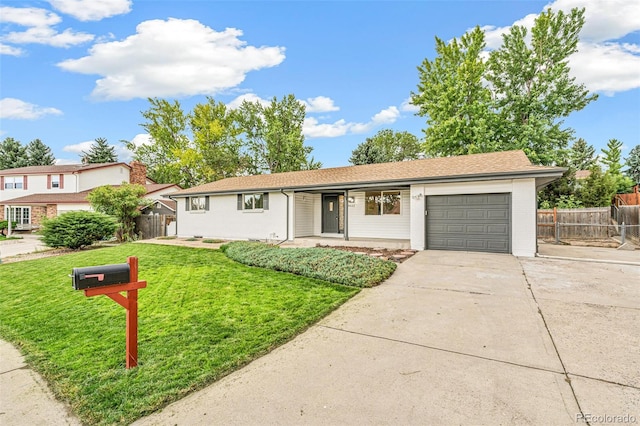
x: 100, y: 276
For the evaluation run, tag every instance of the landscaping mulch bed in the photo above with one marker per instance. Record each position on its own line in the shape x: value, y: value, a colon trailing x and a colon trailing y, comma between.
x: 397, y: 255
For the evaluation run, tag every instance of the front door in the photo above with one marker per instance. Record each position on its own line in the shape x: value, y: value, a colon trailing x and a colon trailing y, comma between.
x: 330, y: 214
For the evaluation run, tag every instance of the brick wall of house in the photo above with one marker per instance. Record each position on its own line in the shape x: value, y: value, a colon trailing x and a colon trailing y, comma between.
x: 52, y: 210
x: 37, y: 214
x: 138, y: 173
x: 1, y: 211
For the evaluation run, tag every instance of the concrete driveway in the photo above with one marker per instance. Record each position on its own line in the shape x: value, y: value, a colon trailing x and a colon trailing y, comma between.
x: 451, y: 338
x: 29, y: 243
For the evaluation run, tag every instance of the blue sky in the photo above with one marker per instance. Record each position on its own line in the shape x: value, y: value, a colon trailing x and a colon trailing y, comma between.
x: 75, y: 70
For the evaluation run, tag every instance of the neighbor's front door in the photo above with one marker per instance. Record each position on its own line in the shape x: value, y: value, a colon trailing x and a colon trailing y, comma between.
x: 330, y: 214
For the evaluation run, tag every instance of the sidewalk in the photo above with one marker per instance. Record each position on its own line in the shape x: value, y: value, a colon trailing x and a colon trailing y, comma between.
x: 24, y: 396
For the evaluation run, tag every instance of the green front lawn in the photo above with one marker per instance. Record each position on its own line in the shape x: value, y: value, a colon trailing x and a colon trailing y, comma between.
x: 201, y: 316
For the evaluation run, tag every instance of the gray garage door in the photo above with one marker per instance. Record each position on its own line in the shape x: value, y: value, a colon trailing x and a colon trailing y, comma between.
x: 475, y: 222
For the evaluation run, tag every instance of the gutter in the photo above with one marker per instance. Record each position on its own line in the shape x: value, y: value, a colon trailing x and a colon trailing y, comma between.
x: 287, y: 227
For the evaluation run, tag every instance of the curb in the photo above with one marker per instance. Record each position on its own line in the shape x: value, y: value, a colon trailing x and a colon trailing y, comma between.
x: 585, y: 259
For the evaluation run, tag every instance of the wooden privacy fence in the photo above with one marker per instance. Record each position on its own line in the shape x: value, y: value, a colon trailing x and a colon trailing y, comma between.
x: 152, y: 225
x: 580, y: 224
x: 630, y: 216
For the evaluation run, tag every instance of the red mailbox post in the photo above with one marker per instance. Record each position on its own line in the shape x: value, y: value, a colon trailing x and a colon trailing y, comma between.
x: 129, y: 302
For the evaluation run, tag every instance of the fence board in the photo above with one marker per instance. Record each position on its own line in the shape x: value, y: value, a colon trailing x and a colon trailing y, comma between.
x: 630, y: 216
x: 588, y: 223
x: 150, y: 226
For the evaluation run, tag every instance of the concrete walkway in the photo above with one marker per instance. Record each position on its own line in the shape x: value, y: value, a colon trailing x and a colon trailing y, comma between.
x: 29, y: 243
x: 450, y: 338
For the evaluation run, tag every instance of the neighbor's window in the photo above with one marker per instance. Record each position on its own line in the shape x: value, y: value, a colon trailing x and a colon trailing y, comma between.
x: 55, y: 181
x: 13, y: 182
x: 253, y: 201
x: 198, y: 203
x: 382, y: 203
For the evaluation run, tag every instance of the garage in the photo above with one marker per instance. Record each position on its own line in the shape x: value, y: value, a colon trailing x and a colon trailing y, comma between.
x: 471, y: 222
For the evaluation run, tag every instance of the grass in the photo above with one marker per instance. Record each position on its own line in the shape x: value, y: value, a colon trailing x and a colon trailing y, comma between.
x: 11, y: 237
x: 212, y: 241
x: 337, y: 266
x: 201, y: 317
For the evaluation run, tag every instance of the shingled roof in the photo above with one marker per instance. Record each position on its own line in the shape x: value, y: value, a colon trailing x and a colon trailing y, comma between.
x: 443, y: 168
x: 63, y: 168
x: 73, y: 197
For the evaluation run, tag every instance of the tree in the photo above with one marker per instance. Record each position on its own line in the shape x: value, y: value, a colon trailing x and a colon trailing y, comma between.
x: 77, y: 229
x: 633, y: 164
x: 582, y: 156
x: 12, y: 154
x: 387, y: 146
x: 100, y: 152
x: 122, y: 203
x: 533, y: 87
x: 598, y: 189
x: 516, y: 100
x: 216, y: 136
x: 39, y: 154
x: 453, y: 97
x: 612, y: 160
x: 171, y: 156
x: 273, y: 135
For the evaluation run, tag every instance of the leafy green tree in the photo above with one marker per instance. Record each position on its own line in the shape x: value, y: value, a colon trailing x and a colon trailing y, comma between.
x: 100, y: 152
x: 598, y: 189
x: 216, y: 136
x: 39, y: 154
x: 77, y: 229
x: 582, y: 156
x: 12, y: 154
x: 273, y: 135
x: 170, y: 157
x: 4, y: 226
x: 122, y: 203
x: 387, y: 146
x: 453, y: 97
x: 533, y: 87
x: 633, y: 165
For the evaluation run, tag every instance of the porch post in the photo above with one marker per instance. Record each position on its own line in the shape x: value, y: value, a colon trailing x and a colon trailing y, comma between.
x: 346, y: 215
x: 9, y: 222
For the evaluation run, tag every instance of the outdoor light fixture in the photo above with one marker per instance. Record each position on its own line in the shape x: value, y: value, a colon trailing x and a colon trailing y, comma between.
x: 351, y: 199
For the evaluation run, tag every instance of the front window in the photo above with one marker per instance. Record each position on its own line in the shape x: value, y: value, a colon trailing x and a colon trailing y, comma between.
x: 382, y: 203
x: 13, y: 183
x: 198, y: 204
x: 55, y: 181
x: 20, y: 215
x: 253, y: 201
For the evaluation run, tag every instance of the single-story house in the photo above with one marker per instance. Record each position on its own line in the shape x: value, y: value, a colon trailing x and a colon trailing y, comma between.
x: 480, y: 202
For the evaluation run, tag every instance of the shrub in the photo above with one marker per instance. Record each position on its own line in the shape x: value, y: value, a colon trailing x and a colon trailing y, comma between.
x: 75, y: 230
x: 4, y: 226
x: 337, y: 266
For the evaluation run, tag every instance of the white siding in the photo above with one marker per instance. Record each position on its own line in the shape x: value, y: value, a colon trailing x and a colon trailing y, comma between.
x: 37, y: 184
x: 63, y: 208
x: 223, y: 220
x: 523, y: 209
x: 304, y: 214
x: 317, y: 214
x: 384, y: 226
x: 113, y: 175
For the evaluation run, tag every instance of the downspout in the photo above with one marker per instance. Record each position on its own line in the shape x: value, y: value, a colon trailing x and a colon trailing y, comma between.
x: 346, y: 215
x: 287, y: 238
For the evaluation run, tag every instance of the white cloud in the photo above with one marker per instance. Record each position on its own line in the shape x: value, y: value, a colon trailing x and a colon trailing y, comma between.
x: 5, y: 49
x: 172, y: 58
x: 48, y: 36
x: 313, y: 129
x: 141, y: 139
x: 606, y: 67
x: 320, y: 104
x: 601, y: 64
x: 92, y: 10
x: 39, y: 23
x: 249, y: 97
x: 16, y: 109
x: 407, y: 106
x: 78, y: 148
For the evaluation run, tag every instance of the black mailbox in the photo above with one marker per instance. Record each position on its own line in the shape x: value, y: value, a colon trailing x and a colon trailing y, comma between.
x: 100, y: 276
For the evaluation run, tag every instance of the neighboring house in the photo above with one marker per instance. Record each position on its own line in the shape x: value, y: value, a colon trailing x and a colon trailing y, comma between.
x: 37, y: 192
x: 160, y: 207
x: 482, y: 202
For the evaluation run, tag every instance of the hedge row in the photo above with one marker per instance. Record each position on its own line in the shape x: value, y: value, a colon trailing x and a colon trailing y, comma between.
x: 337, y: 266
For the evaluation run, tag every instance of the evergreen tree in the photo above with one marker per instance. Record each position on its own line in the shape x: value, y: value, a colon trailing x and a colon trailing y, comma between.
x: 633, y: 164
x: 12, y: 154
x: 39, y: 154
x: 100, y: 152
x: 582, y: 156
x: 598, y: 189
x: 612, y: 159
